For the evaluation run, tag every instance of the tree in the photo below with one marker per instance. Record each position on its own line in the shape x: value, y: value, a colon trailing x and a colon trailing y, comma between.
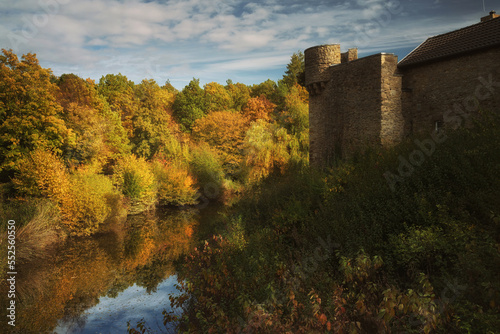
x: 153, y: 127
x: 119, y: 93
x: 189, y: 105
x: 97, y: 132
x: 217, y: 98
x: 240, y: 94
x: 30, y: 116
x: 225, y: 132
x: 295, y: 70
x: 266, y: 148
x: 258, y: 108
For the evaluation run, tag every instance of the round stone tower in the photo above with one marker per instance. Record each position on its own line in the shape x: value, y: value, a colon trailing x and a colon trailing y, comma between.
x: 317, y: 61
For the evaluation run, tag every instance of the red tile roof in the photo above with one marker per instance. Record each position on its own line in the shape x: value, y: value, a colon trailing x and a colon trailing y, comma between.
x: 469, y: 39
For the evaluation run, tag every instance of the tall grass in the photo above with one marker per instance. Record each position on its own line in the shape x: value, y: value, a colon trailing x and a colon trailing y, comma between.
x: 36, y: 225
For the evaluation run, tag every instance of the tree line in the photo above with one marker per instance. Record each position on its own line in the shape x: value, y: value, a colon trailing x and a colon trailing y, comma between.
x: 88, y: 147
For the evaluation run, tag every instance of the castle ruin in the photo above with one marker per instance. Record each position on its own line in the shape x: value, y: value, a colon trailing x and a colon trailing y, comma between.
x: 376, y: 100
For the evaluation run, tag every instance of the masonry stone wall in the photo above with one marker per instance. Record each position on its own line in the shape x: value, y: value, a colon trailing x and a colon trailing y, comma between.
x: 355, y: 103
x: 446, y: 92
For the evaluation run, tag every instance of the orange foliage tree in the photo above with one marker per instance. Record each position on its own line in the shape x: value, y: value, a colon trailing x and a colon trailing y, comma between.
x: 258, y: 108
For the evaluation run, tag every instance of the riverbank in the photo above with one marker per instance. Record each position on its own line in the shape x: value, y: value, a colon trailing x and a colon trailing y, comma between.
x: 351, y: 250
x: 98, y: 283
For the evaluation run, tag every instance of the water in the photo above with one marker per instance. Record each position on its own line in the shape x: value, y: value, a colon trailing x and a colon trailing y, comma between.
x: 111, y: 315
x: 98, y: 284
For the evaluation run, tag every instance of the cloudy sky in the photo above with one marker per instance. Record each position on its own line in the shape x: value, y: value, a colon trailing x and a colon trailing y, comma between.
x: 216, y: 40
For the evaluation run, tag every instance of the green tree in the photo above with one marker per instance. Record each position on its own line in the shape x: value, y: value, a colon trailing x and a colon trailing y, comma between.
x: 30, y: 116
x: 153, y: 127
x: 189, y: 105
x: 119, y: 93
x: 295, y: 70
x: 240, y: 94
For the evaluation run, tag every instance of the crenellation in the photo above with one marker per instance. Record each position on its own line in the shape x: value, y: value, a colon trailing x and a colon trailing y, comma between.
x: 359, y: 102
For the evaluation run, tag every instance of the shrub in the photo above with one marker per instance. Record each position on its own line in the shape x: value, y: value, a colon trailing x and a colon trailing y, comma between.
x: 175, y: 184
x: 89, y: 202
x: 208, y: 171
x: 134, y: 179
x: 42, y: 174
x: 83, y: 198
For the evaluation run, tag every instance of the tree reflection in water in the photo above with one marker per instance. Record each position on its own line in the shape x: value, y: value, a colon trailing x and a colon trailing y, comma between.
x: 62, y: 285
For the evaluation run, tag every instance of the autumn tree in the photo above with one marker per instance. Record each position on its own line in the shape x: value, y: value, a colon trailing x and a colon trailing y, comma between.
x: 216, y: 97
x: 258, y: 108
x: 225, y: 132
x: 266, y: 147
x: 30, y: 116
x: 97, y: 132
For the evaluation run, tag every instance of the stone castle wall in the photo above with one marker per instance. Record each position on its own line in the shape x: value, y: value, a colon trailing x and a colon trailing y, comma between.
x: 355, y: 103
x: 352, y: 105
x: 448, y: 91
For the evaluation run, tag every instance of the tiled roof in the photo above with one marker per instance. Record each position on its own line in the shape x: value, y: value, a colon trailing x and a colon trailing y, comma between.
x: 476, y: 37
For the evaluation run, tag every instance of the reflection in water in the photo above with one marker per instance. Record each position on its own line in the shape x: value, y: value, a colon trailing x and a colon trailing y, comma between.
x: 96, y: 285
x: 111, y: 314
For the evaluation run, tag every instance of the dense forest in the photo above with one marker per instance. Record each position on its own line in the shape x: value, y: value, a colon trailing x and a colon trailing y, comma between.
x: 90, y: 149
x: 297, y: 250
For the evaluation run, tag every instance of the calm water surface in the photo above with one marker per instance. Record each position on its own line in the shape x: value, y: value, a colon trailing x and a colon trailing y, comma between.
x: 97, y: 284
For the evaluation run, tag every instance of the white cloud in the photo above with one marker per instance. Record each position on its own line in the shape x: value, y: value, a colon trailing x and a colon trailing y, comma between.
x: 188, y: 38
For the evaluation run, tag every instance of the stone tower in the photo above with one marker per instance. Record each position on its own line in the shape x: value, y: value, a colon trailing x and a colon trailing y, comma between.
x: 318, y: 60
x: 353, y: 103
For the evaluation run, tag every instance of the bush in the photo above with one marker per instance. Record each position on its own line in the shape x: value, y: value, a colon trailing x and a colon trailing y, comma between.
x: 42, y: 174
x: 83, y: 198
x: 134, y: 179
x: 89, y: 202
x: 175, y: 184
x: 208, y: 171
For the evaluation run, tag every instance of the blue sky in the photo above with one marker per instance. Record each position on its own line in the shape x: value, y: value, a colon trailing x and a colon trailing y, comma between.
x: 216, y: 40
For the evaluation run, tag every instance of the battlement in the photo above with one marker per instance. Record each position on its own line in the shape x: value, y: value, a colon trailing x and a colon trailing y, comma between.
x: 319, y: 59
x: 376, y: 101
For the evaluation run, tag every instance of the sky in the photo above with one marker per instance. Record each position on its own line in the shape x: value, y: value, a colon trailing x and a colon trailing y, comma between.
x: 217, y: 40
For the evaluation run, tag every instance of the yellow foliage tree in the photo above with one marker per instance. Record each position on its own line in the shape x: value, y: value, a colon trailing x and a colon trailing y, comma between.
x: 225, y: 132
x: 266, y: 148
x: 30, y: 117
x: 217, y: 98
x: 175, y: 184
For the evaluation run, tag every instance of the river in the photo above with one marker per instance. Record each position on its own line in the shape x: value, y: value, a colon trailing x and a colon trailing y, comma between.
x: 98, y: 284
